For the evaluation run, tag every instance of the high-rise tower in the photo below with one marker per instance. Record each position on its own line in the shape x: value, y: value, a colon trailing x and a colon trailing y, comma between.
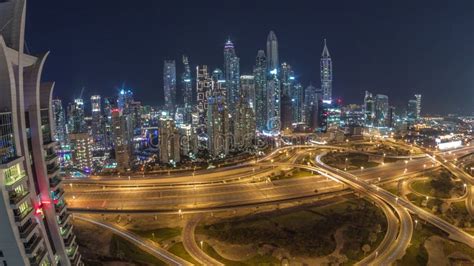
x: 231, y: 75
x: 260, y: 77
x: 187, y: 90
x: 35, y: 228
x: 326, y: 73
x: 272, y: 52
x: 169, y: 85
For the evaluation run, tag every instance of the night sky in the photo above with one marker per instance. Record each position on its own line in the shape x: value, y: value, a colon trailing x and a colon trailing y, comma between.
x: 397, y: 48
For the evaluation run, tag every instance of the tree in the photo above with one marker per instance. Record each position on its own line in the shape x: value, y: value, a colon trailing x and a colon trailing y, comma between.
x: 365, y: 248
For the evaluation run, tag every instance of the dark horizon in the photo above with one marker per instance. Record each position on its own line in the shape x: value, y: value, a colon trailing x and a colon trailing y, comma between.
x: 397, y: 49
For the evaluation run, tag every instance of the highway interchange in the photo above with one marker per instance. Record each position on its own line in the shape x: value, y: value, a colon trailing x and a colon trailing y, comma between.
x: 248, y: 185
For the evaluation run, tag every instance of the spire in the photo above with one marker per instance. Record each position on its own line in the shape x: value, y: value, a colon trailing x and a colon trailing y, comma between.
x: 325, y: 50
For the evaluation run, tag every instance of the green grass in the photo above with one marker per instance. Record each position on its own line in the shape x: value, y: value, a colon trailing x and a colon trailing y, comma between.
x: 295, y: 174
x: 179, y: 250
x: 255, y: 260
x: 125, y: 250
x: 416, y: 253
x: 423, y: 187
x: 305, y: 232
x: 160, y: 234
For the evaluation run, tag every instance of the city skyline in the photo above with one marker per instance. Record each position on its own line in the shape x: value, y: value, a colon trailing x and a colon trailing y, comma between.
x: 362, y: 61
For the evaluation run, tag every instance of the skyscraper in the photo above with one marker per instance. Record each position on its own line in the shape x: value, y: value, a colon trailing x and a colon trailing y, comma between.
x: 272, y: 52
x: 35, y: 226
x: 418, y: 106
x: 412, y: 111
x: 297, y: 103
x: 122, y: 140
x: 273, y: 103
x: 326, y: 73
x: 187, y: 90
x: 169, y: 85
x: 309, y: 101
x: 247, y: 90
x: 169, y: 141
x: 231, y: 75
x: 381, y: 110
x: 203, y: 87
x: 75, y: 114
x: 60, y: 122
x: 97, y: 123
x: 260, y: 76
x: 369, y: 109
x: 287, y: 79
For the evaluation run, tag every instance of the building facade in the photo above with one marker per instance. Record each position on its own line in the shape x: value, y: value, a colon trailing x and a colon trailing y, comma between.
x: 326, y: 73
x: 35, y: 226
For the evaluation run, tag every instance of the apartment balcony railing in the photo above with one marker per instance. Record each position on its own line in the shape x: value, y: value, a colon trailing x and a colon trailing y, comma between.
x: 12, y: 181
x: 22, y: 217
x: 26, y: 230
x: 32, y: 246
x: 38, y: 258
x: 18, y: 198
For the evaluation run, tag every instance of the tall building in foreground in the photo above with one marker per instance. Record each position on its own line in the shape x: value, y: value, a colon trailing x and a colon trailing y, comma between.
x: 35, y: 228
x: 169, y: 85
x: 272, y: 52
x: 326, y: 73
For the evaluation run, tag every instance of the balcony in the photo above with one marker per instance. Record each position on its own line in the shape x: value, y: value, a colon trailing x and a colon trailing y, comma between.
x: 32, y: 246
x: 55, y: 182
x: 76, y: 260
x: 57, y: 195
x: 50, y: 158
x: 72, y: 251
x: 13, y: 181
x: 60, y: 208
x: 48, y: 143
x: 39, y: 258
x: 63, y: 219
x: 23, y: 217
x: 17, y: 198
x: 66, y: 230
x: 53, y: 171
x: 27, y: 230
x: 69, y: 241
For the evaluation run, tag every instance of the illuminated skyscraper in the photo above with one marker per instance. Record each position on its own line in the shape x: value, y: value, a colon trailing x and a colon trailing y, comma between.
x: 418, y: 106
x: 297, y: 103
x: 260, y: 76
x: 272, y: 52
x: 381, y: 110
x: 169, y: 141
x: 203, y: 87
x: 97, y: 125
x: 187, y: 90
x: 35, y: 228
x: 326, y: 74
x: 122, y: 140
x: 60, y: 122
x: 76, y: 117
x: 412, y: 111
x: 309, y: 101
x: 287, y: 79
x: 273, y: 103
x: 369, y: 109
x: 169, y: 85
x: 231, y: 75
x: 247, y: 90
